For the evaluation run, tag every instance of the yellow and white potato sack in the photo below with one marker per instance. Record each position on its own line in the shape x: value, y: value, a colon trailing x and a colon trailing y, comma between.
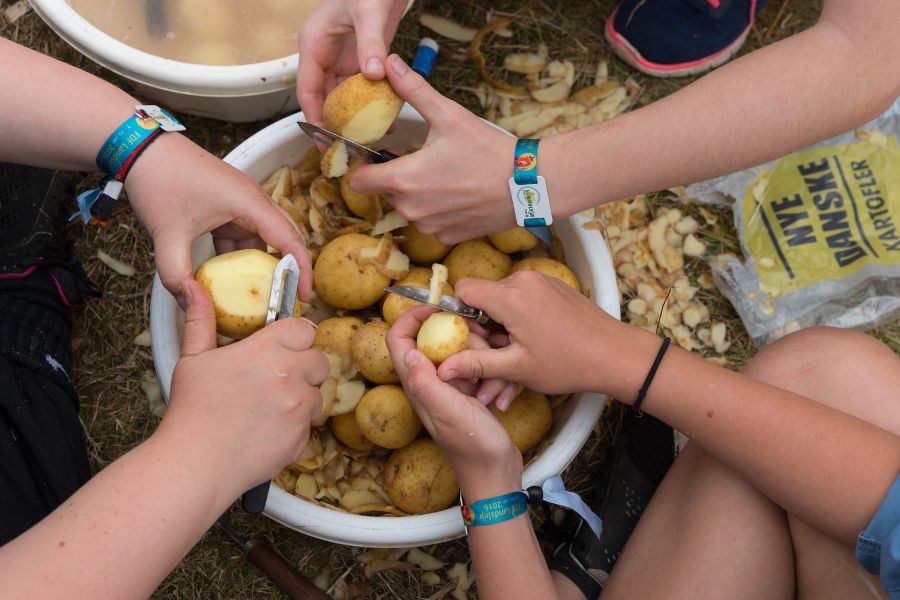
x: 477, y: 258
x: 442, y: 335
x: 342, y: 279
x: 550, y: 267
x: 419, y: 478
x: 361, y: 110
x: 386, y: 418
x: 371, y: 354
x: 527, y: 420
x: 239, y: 284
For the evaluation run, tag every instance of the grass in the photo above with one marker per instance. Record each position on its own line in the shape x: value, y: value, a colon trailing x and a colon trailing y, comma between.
x: 109, y: 366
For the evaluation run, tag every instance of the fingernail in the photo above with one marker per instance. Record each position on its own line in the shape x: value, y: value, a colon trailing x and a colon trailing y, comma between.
x: 374, y: 65
x: 399, y: 66
x: 449, y: 374
x: 412, y: 358
x: 484, y: 397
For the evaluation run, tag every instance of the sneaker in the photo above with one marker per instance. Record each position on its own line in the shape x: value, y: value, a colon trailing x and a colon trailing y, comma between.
x: 674, y: 38
x: 632, y: 471
x: 33, y: 207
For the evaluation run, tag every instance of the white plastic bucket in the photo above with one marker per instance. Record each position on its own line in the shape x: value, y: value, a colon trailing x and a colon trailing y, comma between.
x: 586, y: 253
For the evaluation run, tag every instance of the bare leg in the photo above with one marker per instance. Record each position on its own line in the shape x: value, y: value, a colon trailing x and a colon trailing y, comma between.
x: 709, y: 534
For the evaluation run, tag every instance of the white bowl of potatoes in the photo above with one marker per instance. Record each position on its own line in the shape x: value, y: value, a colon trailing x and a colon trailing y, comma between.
x: 348, y: 498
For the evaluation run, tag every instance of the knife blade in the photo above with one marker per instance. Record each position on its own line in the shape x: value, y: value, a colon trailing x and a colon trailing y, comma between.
x: 364, y: 152
x: 447, y: 303
x: 282, y: 299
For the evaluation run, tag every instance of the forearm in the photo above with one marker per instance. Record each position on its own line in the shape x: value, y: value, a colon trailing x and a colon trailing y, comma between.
x: 52, y: 114
x: 803, y: 89
x: 507, y: 560
x: 121, y: 533
x: 824, y: 466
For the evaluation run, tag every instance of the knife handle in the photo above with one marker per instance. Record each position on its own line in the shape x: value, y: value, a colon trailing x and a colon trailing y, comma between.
x: 254, y: 501
x: 383, y: 157
x: 270, y: 562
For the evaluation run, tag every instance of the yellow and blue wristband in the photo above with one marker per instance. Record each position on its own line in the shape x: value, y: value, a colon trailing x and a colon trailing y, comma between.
x: 495, y: 510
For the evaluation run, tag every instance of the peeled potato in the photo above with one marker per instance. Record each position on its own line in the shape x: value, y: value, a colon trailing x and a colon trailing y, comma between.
x: 360, y: 205
x: 370, y: 352
x: 517, y: 239
x: 550, y: 267
x: 419, y: 478
x: 348, y: 432
x: 342, y: 280
x: 527, y: 420
x: 360, y: 109
x: 239, y: 284
x: 395, y: 305
x: 386, y: 418
x: 422, y: 247
x: 337, y: 334
x: 477, y: 258
x: 442, y: 335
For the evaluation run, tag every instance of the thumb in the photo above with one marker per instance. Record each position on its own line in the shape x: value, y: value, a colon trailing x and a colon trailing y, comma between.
x: 199, y: 320
x: 489, y: 296
x: 422, y: 382
x: 174, y: 265
x: 413, y: 88
x: 371, y: 49
x: 480, y: 364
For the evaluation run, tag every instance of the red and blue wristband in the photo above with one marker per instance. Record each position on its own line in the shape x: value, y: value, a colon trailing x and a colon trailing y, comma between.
x: 118, y: 155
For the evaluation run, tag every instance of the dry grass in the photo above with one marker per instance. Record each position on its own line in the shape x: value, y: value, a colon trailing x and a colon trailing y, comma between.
x: 109, y: 366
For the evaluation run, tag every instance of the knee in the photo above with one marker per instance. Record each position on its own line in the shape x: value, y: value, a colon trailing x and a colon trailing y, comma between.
x: 816, y: 355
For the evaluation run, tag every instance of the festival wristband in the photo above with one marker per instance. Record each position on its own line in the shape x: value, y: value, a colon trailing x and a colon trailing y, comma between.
x: 495, y: 510
x: 118, y: 155
x: 530, y: 199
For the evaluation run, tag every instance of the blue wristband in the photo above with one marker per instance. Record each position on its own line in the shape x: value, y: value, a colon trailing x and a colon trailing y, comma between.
x: 119, y: 147
x: 495, y: 510
x: 525, y: 165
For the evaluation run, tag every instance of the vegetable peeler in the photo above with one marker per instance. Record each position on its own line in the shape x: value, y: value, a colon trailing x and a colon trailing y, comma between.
x: 363, y: 152
x: 282, y: 299
x: 447, y: 303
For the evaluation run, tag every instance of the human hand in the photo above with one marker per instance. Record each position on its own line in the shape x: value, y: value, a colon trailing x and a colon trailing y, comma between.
x: 557, y: 342
x: 485, y: 460
x: 342, y: 38
x: 456, y: 185
x: 250, y: 404
x: 179, y: 192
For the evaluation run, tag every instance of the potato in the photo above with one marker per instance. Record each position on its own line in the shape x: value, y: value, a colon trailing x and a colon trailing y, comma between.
x: 346, y: 429
x: 419, y: 478
x: 517, y: 239
x: 442, y: 335
x: 370, y: 352
x: 386, y: 418
x: 335, y: 160
x: 341, y: 280
x: 361, y: 110
x: 527, y: 420
x: 550, y: 267
x: 337, y: 334
x: 239, y: 284
x: 360, y: 205
x: 422, y: 247
x: 395, y: 305
x: 477, y: 258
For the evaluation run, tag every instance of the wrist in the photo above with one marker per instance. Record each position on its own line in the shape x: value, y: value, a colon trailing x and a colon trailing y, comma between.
x: 625, y: 356
x: 479, y: 481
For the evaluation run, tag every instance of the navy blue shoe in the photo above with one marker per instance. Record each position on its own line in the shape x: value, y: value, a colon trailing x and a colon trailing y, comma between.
x: 673, y: 38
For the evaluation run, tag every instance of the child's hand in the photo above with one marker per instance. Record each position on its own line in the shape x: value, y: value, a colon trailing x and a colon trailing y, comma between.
x: 558, y: 341
x: 250, y: 403
x: 484, y: 458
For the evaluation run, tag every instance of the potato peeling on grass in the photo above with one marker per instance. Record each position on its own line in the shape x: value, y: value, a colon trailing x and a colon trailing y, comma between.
x: 142, y: 339
x: 115, y: 264
x: 153, y: 392
x: 447, y: 28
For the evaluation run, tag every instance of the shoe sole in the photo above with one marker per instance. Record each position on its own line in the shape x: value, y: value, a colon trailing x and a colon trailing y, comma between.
x: 633, y: 58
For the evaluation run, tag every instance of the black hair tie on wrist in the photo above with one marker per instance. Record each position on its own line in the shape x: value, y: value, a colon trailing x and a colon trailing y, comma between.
x: 643, y: 392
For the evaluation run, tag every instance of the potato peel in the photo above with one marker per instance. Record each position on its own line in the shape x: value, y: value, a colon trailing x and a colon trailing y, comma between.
x: 478, y: 58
